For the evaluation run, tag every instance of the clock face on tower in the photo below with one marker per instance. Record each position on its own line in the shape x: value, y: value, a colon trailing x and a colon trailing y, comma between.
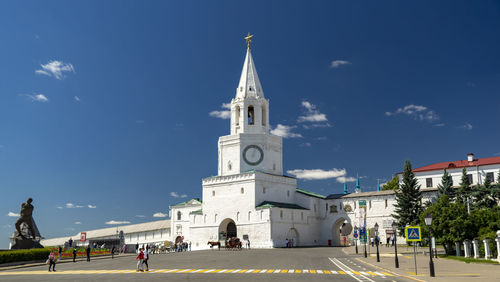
x: 253, y: 155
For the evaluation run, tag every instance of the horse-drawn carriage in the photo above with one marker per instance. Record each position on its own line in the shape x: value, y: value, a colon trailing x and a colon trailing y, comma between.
x: 231, y: 244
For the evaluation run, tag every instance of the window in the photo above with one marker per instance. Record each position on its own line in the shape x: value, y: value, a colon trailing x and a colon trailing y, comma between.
x: 213, y: 193
x: 490, y: 176
x: 292, y: 215
x: 354, y: 204
x: 242, y: 190
x: 326, y: 207
x: 179, y: 215
x: 241, y: 89
x: 229, y: 165
x: 288, y: 193
x: 370, y: 204
x: 314, y: 207
x: 469, y: 176
x: 251, y: 115
x: 385, y: 203
x: 263, y: 190
x: 205, y: 219
x: 237, y: 115
x: 249, y: 215
x: 302, y: 216
x: 261, y: 215
x: 215, y: 218
x: 274, y: 166
x: 428, y: 182
x: 237, y: 216
x: 281, y: 214
x: 263, y: 115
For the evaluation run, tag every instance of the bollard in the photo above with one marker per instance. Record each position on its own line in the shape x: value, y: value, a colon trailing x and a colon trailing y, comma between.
x: 487, y: 251
x: 475, y: 244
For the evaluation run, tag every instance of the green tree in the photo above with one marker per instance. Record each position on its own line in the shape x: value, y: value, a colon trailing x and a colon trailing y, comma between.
x: 445, y: 188
x: 408, y: 200
x: 464, y: 191
x: 449, y: 222
x: 391, y: 185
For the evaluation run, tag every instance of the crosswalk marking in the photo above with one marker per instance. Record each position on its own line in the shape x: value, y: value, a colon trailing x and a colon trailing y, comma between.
x: 201, y: 271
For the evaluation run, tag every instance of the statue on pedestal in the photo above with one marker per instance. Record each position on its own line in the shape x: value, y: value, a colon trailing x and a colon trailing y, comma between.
x: 26, y: 234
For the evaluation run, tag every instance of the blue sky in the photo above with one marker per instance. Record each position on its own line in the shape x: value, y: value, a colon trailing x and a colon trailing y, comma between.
x: 107, y: 103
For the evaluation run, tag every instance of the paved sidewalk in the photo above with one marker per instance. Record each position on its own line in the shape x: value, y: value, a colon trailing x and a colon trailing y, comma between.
x: 445, y: 269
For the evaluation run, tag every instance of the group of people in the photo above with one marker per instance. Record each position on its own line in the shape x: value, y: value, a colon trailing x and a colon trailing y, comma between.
x: 142, y: 259
x: 289, y: 243
x: 182, y: 246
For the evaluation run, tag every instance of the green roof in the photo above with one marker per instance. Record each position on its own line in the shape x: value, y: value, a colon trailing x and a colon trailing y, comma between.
x: 196, y: 212
x: 309, y: 193
x: 269, y: 204
x: 185, y: 203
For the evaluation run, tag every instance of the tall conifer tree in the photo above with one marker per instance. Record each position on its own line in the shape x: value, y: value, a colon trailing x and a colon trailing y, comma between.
x: 408, y: 200
x: 445, y: 188
x: 464, y: 192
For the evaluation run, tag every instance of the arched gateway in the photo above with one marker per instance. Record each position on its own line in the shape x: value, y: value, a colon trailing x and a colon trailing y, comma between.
x: 227, y: 229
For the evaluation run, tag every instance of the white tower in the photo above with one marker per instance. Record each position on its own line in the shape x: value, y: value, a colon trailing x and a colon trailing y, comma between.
x: 250, y: 145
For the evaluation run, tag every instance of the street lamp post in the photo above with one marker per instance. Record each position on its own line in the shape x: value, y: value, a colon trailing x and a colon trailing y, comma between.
x: 394, y: 228
x: 355, y: 239
x: 428, y: 222
x: 376, y: 241
x: 365, y: 239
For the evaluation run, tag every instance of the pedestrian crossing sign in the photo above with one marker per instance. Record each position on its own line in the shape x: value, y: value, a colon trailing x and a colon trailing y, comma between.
x: 413, y: 233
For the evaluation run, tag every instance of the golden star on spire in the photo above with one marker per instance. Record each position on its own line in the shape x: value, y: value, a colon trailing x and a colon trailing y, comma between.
x: 248, y: 38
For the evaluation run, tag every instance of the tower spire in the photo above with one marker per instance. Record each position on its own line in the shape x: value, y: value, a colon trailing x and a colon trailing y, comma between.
x: 249, y: 85
x: 358, y: 187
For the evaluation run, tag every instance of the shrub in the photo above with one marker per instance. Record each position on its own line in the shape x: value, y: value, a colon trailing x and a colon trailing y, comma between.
x: 24, y: 255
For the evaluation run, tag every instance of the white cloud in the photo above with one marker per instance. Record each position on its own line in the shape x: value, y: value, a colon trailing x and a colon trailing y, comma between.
x: 285, y: 131
x: 439, y: 124
x: 91, y: 206
x: 338, y: 63
x: 116, y: 222
x: 140, y: 215
x: 306, y: 144
x: 344, y: 179
x: 72, y: 206
x: 37, y: 97
x: 55, y: 69
x: 466, y: 126
x: 77, y: 98
x: 159, y: 214
x: 316, y: 125
x: 60, y: 207
x: 315, y: 174
x: 312, y: 114
x: 223, y: 114
x: 78, y: 222
x: 418, y: 112
x: 176, y: 195
x: 13, y: 214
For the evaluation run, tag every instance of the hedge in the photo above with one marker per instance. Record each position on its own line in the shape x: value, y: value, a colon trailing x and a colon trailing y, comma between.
x: 24, y: 255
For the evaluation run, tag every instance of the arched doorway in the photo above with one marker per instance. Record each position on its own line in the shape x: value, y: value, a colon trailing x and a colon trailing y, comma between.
x: 227, y: 229
x: 336, y: 232
x: 293, y: 237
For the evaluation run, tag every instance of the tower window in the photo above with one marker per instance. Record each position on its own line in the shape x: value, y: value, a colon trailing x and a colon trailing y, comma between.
x: 213, y: 193
x: 288, y: 193
x: 242, y: 190
x: 263, y: 190
x: 263, y: 115
x: 250, y: 88
x: 251, y: 115
x: 249, y: 215
x: 229, y: 166
x: 385, y: 203
x: 241, y: 89
x: 179, y: 215
x: 281, y: 214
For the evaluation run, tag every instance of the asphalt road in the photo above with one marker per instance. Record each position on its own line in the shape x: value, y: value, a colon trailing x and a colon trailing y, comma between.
x: 298, y: 264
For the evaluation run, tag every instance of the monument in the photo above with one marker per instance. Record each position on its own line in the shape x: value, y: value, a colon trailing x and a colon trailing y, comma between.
x: 26, y: 235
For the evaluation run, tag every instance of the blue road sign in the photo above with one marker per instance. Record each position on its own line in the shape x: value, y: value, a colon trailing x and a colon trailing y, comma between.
x: 413, y: 233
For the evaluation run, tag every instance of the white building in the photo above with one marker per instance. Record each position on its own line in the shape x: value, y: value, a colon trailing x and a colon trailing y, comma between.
x: 477, y: 171
x: 251, y: 198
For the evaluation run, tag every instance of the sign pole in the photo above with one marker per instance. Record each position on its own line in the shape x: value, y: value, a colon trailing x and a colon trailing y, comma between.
x: 415, y: 256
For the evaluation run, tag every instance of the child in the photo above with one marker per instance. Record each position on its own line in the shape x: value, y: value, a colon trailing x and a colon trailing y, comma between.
x: 52, y: 261
x: 140, y: 259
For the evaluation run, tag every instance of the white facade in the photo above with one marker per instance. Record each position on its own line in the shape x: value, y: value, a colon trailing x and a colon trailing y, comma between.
x: 250, y: 196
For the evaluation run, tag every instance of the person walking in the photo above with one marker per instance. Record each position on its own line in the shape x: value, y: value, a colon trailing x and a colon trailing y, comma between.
x: 74, y: 255
x: 372, y: 240
x: 52, y: 261
x: 248, y: 242
x: 136, y: 247
x: 190, y: 246
x: 140, y: 259
x: 124, y: 248
x: 146, y: 258
x: 60, y: 252
x: 113, y: 252
x: 88, y: 252
x: 70, y: 242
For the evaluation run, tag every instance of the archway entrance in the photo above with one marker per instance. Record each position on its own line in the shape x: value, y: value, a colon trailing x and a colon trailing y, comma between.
x: 293, y: 237
x: 227, y: 229
x: 337, y: 238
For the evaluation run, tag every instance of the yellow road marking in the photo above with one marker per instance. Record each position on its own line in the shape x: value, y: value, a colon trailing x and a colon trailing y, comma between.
x: 355, y: 272
x: 327, y: 272
x: 371, y: 273
x: 270, y: 271
x: 312, y: 271
x: 284, y: 271
x: 243, y: 270
x: 298, y: 271
x: 341, y: 272
x: 386, y: 274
